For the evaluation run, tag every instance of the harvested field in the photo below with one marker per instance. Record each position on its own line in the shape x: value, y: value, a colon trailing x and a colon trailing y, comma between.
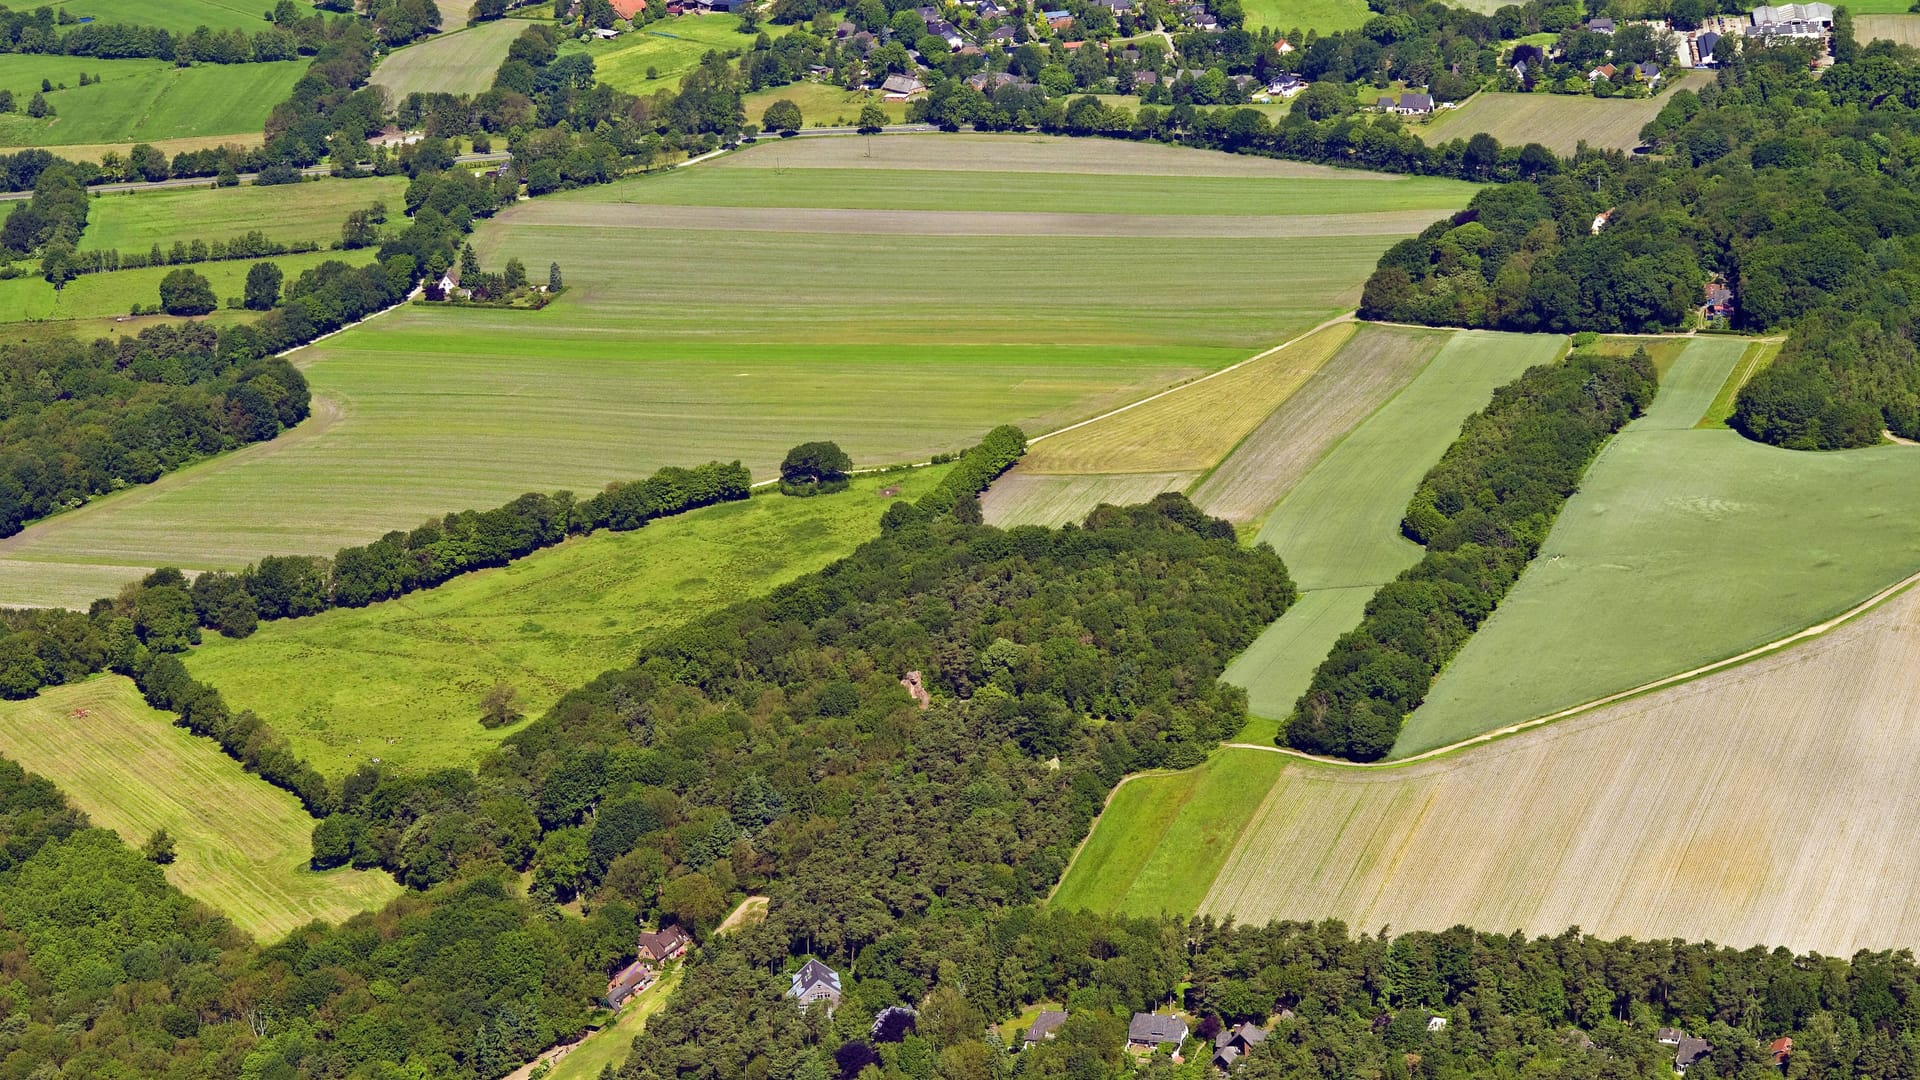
x: 461, y: 62
x: 401, y: 681
x: 284, y: 212
x: 1026, y: 498
x: 1685, y: 545
x: 242, y: 843
x: 1191, y: 428
x: 1771, y: 804
x: 1362, y: 376
x: 743, y: 348
x: 965, y: 223
x: 1339, y: 527
x: 1901, y: 28
x: 1559, y: 122
x: 1025, y: 153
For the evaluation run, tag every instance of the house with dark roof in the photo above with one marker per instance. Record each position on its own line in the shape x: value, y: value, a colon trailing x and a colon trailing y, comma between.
x: 1149, y: 1030
x: 1600, y: 25
x: 667, y: 943
x: 902, y: 87
x: 1667, y: 1036
x: 1415, y: 105
x: 816, y: 982
x: 1044, y: 1027
x: 1234, y: 1043
x: 627, y: 982
x: 1689, y: 1053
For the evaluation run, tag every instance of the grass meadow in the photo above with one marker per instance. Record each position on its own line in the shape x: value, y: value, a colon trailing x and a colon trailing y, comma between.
x: 1325, y: 16
x: 97, y: 296
x: 401, y: 681
x: 611, y: 1045
x: 1559, y: 122
x: 823, y: 105
x: 692, y: 332
x: 284, y: 212
x: 241, y: 843
x: 1164, y: 836
x: 1768, y: 804
x: 671, y: 47
x: 460, y: 62
x: 1339, y: 527
x: 179, y: 16
x: 146, y: 100
x: 1684, y: 545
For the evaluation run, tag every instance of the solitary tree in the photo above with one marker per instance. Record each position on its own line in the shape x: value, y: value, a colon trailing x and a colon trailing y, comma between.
x: 263, y: 286
x: 872, y: 118
x: 38, y: 107
x: 553, y: 278
x: 814, y: 467
x: 782, y: 116
x: 183, y: 292
x: 500, y: 706
x: 159, y: 847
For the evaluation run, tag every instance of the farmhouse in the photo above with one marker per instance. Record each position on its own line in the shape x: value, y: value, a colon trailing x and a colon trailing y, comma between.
x: 1407, y: 105
x: 1045, y: 1026
x: 629, y: 981
x: 1149, y: 1030
x: 667, y: 943
x: 816, y: 982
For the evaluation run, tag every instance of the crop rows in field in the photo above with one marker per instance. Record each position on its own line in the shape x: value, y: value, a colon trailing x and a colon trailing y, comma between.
x: 1559, y: 122
x: 460, y: 62
x: 242, y: 845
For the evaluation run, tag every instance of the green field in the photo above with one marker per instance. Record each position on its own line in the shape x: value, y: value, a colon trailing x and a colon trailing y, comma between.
x: 1559, y: 122
x: 824, y: 105
x: 611, y: 1045
x: 178, y: 16
x: 401, y: 681
x: 460, y: 62
x: 1164, y: 836
x: 1684, y: 545
x: 1339, y: 528
x: 1901, y: 27
x: 284, y: 212
x: 146, y: 100
x: 1325, y: 16
x: 242, y: 844
x: 671, y: 46
x: 693, y: 332
x: 94, y: 296
x: 1758, y: 356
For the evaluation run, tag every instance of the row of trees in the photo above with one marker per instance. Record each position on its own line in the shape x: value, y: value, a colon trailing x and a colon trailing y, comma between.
x: 1481, y: 513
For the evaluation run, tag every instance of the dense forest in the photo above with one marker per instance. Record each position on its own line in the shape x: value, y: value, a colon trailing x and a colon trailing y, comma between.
x: 1792, y: 191
x: 1482, y: 514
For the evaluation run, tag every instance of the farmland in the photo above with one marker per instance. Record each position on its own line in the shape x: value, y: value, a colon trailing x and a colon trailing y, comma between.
x: 1559, y: 122
x: 460, y: 62
x: 1901, y: 27
x: 93, y: 296
x: 284, y: 212
x: 242, y: 844
x: 1339, y: 527
x: 670, y: 47
x: 695, y: 332
x: 177, y: 16
x: 1683, y: 546
x: 1325, y: 16
x: 148, y: 100
x: 1767, y: 804
x: 401, y: 681
x: 823, y: 105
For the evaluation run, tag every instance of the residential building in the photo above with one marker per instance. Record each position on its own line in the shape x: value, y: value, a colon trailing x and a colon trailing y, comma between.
x: 1234, y: 1043
x: 1781, y: 1049
x: 816, y: 982
x: 627, y: 982
x: 1045, y: 1026
x: 667, y: 943
x: 902, y: 87
x: 1689, y: 1053
x: 1149, y: 1030
x: 1600, y: 25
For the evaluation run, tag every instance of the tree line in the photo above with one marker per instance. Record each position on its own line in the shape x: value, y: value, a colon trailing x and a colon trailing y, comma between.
x: 1481, y: 513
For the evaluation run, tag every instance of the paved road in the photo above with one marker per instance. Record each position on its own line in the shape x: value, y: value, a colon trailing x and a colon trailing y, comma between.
x: 245, y: 178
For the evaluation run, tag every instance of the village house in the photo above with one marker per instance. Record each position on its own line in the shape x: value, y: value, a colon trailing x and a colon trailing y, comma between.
x: 1149, y: 1030
x: 1689, y: 1053
x: 1045, y: 1026
x: 1781, y: 1049
x: 667, y: 943
x: 1600, y: 25
x: 449, y: 283
x: 986, y: 82
x: 1286, y: 86
x: 902, y: 87
x: 1667, y: 1036
x: 1719, y: 301
x: 816, y: 982
x: 627, y: 982
x: 1604, y: 71
x: 1407, y: 105
x: 1234, y: 1043
x: 1600, y: 221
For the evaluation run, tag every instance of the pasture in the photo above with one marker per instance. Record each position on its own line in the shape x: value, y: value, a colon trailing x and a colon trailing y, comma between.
x: 1685, y: 545
x: 1165, y: 835
x: 611, y: 1045
x: 96, y: 296
x: 460, y: 62
x: 1339, y: 527
x: 401, y: 681
x: 823, y: 105
x: 1559, y: 122
x: 1900, y: 28
x: 148, y: 100
x: 1325, y: 16
x: 284, y: 212
x: 241, y: 843
x: 693, y: 332
x: 179, y: 16
x: 170, y: 147
x: 670, y: 47
x: 1769, y: 804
